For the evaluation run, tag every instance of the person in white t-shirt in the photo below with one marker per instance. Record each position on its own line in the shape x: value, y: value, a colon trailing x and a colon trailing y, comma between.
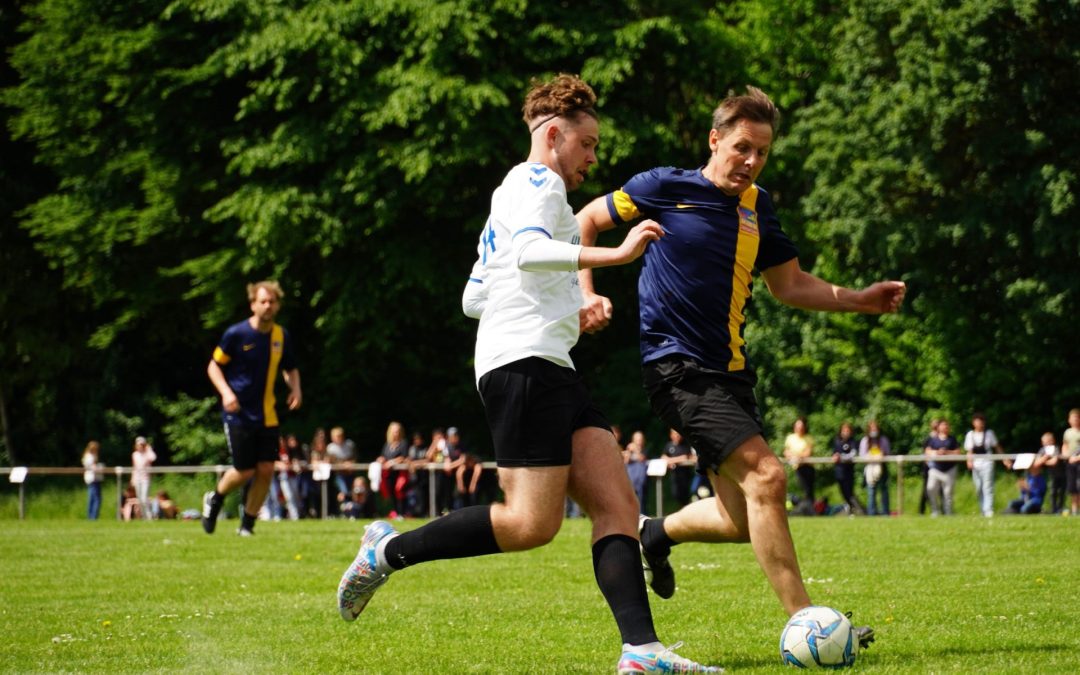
x: 982, y: 441
x: 550, y: 441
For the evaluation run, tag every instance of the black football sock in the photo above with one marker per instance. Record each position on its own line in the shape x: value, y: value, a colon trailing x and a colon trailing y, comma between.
x: 617, y: 565
x: 247, y: 522
x: 465, y: 533
x: 655, y: 539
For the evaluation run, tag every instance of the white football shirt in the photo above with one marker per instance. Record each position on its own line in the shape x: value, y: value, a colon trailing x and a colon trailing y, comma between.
x: 525, y: 313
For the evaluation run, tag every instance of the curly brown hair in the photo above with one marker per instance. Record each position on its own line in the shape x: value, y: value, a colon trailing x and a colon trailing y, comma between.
x: 564, y: 96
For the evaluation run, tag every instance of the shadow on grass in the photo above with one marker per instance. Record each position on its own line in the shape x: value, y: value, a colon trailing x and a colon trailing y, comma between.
x: 877, y: 656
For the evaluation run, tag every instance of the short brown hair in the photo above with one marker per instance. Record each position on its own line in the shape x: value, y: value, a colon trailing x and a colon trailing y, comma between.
x: 270, y: 286
x: 563, y: 96
x: 754, y: 106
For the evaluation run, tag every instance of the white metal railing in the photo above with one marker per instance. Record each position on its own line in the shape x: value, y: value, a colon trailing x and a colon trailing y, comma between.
x: 218, y: 469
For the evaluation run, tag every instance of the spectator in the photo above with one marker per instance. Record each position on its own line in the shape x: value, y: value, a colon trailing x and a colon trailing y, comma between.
x: 845, y: 449
x: 942, y: 475
x: 437, y: 456
x: 417, y: 499
x: 284, y: 493
x: 1033, y: 484
x: 874, y: 445
x: 1055, y: 468
x: 798, y: 446
x: 92, y: 477
x: 164, y: 507
x: 676, y: 452
x: 130, y: 507
x: 982, y: 441
x: 1070, y: 450
x: 636, y: 458
x: 394, y: 458
x: 359, y: 502
x: 454, y: 460
x: 924, y: 468
x: 310, y: 489
x: 341, y: 451
x: 142, y: 458
x: 468, y: 479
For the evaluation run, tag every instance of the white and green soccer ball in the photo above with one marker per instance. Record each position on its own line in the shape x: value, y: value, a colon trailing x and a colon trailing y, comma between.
x: 818, y: 637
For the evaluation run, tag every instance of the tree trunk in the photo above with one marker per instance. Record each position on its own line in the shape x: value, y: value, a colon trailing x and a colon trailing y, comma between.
x: 7, y: 428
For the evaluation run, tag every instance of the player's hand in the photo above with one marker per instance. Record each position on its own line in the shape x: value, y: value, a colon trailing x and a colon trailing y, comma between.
x: 230, y: 403
x: 884, y: 297
x: 638, y: 238
x: 595, y: 313
x: 295, y: 399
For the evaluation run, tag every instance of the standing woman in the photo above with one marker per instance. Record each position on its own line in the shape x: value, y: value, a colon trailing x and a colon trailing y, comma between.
x: 92, y: 477
x: 142, y: 458
x: 845, y: 450
x: 799, y: 445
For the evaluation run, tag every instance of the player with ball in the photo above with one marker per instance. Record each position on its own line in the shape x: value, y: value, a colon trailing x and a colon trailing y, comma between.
x: 694, y: 288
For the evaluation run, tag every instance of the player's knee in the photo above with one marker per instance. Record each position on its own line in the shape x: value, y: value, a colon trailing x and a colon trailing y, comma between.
x: 767, y: 483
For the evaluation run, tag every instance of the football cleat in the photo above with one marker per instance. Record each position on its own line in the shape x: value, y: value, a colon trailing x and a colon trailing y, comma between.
x: 864, y: 634
x: 663, y: 661
x: 657, y: 568
x: 362, y: 578
x: 210, y: 511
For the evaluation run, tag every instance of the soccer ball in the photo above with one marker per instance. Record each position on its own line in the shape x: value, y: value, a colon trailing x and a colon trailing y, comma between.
x: 818, y: 637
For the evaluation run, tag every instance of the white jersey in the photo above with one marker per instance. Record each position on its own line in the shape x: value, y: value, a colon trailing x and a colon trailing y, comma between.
x: 525, y: 312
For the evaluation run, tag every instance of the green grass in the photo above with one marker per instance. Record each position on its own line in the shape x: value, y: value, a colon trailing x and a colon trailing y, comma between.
x: 959, y: 594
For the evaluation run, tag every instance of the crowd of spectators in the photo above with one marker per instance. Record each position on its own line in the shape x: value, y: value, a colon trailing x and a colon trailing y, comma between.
x: 324, y: 478
x: 1048, y: 476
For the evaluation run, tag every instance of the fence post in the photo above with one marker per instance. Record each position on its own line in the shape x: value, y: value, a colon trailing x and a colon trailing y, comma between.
x: 899, y: 485
x: 431, y: 489
x: 659, y: 496
x: 119, y: 491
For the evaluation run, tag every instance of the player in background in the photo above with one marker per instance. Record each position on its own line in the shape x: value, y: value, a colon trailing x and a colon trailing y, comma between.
x: 549, y: 439
x: 244, y: 368
x: 694, y: 288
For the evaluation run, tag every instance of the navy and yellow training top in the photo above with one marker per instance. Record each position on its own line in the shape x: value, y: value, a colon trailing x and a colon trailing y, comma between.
x: 251, y: 362
x: 694, y: 287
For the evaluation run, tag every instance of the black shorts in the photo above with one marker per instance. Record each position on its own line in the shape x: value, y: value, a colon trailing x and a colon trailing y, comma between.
x: 712, y: 409
x: 533, y: 408
x: 251, y: 445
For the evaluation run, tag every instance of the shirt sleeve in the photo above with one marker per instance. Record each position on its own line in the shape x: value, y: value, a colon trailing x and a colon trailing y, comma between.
x: 775, y: 247
x: 969, y: 441
x: 532, y: 236
x: 474, y: 298
x: 634, y: 199
x: 226, y: 347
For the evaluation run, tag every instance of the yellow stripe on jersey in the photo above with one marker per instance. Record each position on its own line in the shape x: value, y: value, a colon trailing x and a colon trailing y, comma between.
x: 624, y: 206
x: 277, y: 344
x: 221, y: 357
x: 745, y: 254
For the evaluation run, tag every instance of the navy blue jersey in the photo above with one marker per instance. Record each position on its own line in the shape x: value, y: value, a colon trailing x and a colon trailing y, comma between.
x: 251, y: 361
x: 695, y: 282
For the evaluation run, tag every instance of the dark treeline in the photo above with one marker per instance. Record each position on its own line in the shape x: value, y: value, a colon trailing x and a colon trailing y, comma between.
x: 157, y: 155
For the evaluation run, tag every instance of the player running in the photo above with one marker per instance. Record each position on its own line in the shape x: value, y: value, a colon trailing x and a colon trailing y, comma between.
x: 243, y: 369
x: 549, y: 439
x: 694, y: 289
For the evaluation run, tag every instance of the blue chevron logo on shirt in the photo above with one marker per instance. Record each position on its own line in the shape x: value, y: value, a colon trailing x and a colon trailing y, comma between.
x: 537, y: 182
x: 538, y: 169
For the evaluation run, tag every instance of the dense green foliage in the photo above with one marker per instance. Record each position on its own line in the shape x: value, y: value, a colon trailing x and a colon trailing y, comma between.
x: 960, y: 595
x: 159, y: 154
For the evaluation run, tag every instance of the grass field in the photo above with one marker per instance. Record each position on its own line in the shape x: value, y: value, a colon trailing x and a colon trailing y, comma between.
x: 959, y: 594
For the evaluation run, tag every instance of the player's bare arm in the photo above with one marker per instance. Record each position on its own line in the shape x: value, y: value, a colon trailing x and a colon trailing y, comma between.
x: 228, y: 398
x: 596, y: 310
x: 793, y: 286
x: 296, y: 396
